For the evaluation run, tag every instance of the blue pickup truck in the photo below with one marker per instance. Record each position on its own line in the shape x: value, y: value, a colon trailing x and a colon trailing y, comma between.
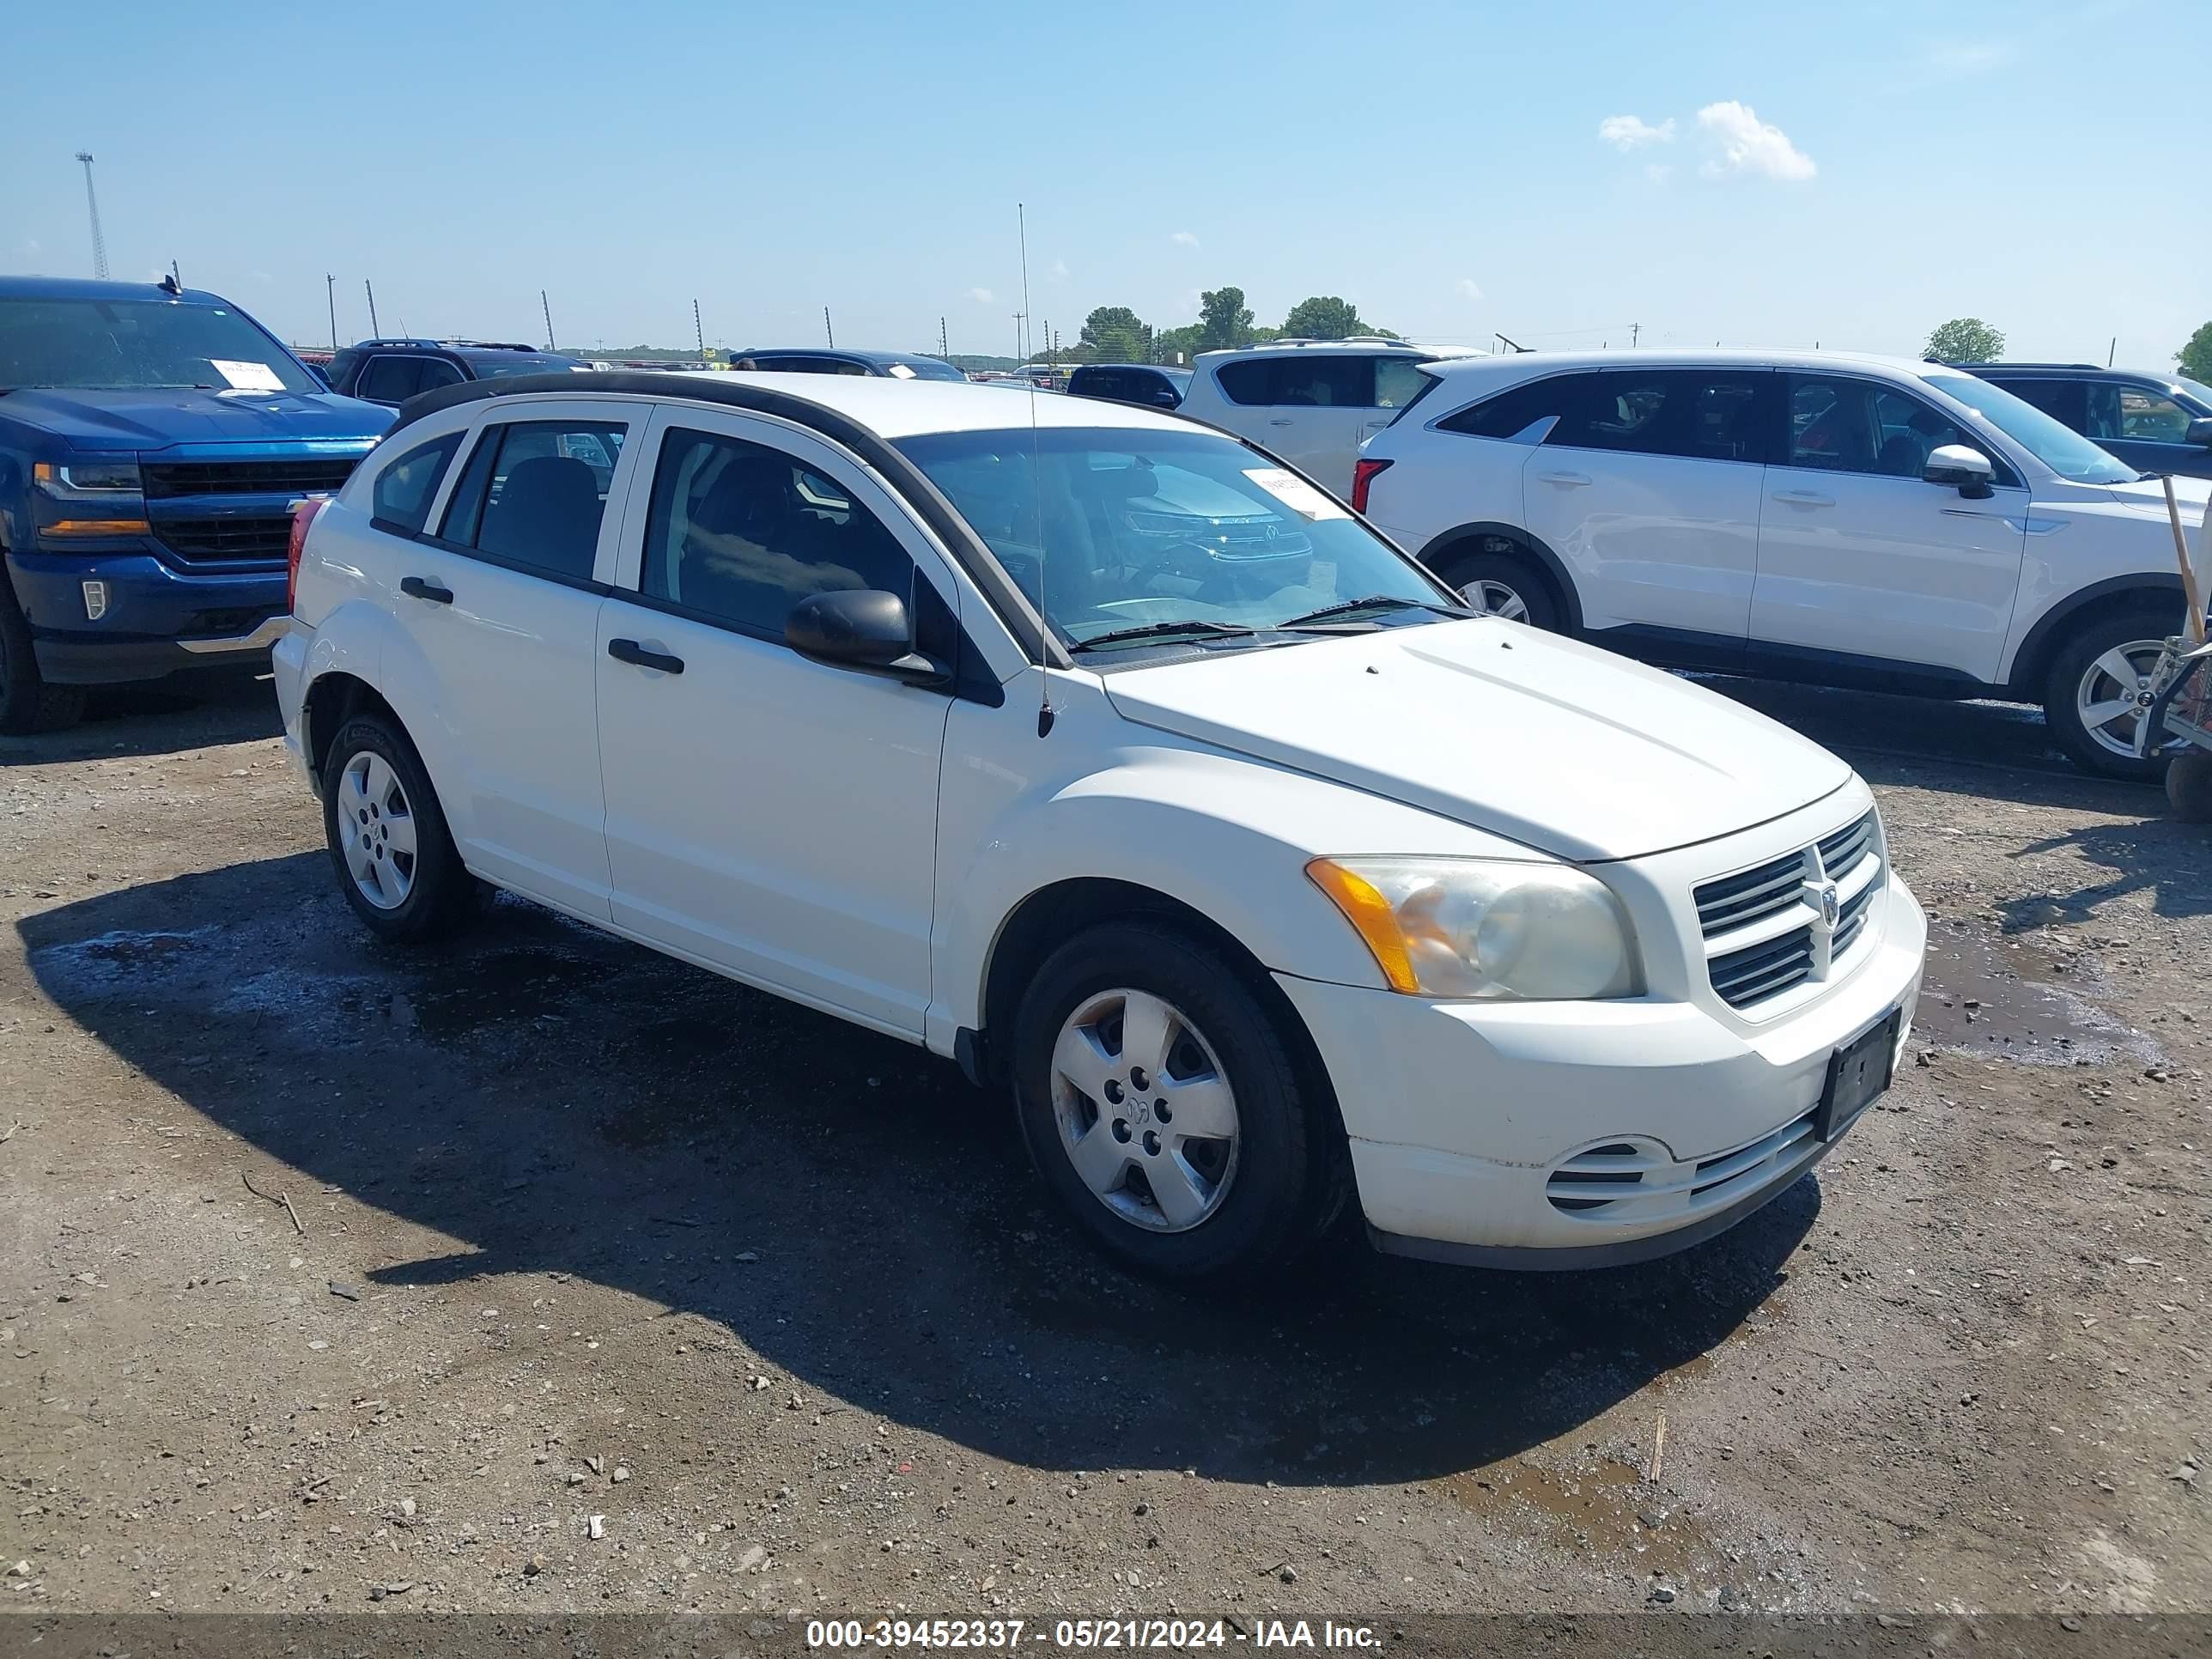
x: 152, y: 441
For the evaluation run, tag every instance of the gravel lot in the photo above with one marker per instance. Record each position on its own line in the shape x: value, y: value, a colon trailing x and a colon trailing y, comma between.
x: 615, y: 1287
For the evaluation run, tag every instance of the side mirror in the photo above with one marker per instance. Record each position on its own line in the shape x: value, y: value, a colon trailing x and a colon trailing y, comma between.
x: 863, y: 629
x: 2199, y: 432
x: 1166, y: 399
x: 322, y: 378
x: 1967, y: 470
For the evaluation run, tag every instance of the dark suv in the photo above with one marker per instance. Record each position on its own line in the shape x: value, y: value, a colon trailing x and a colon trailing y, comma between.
x: 830, y: 359
x: 2153, y: 422
x: 1143, y: 384
x: 393, y: 371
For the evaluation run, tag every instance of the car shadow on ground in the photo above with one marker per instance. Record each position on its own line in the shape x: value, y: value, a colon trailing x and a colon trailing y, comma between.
x: 190, y: 710
x: 561, y: 1101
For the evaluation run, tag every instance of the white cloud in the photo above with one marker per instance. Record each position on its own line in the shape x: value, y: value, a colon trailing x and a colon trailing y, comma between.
x: 1627, y: 132
x: 1467, y: 290
x: 1751, y: 145
x: 982, y: 295
x: 1059, y: 272
x: 1183, y: 239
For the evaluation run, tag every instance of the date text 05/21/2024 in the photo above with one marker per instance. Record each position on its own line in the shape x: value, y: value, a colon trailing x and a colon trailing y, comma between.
x: 1015, y: 1635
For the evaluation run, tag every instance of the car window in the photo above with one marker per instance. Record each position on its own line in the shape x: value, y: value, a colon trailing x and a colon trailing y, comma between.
x: 1250, y: 382
x: 390, y: 380
x: 2139, y: 413
x: 533, y: 495
x: 401, y: 500
x: 1696, y: 413
x: 2060, y: 399
x: 1513, y: 412
x: 740, y: 533
x: 1398, y: 381
x: 437, y: 372
x: 1840, y: 424
x: 1325, y: 382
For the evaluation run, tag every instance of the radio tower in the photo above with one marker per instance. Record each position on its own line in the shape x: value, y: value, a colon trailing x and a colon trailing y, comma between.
x: 92, y: 206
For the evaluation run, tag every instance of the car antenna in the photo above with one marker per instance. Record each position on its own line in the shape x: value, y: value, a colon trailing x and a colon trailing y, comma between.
x: 1045, y: 714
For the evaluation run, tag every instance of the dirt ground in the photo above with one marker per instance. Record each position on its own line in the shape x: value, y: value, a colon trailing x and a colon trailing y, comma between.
x: 570, y: 1278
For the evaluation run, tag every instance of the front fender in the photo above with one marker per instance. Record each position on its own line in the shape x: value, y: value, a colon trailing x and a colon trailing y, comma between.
x: 1228, y: 836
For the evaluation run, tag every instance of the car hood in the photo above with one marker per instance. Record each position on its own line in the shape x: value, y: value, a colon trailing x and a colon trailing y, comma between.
x: 154, y: 419
x: 1557, y: 745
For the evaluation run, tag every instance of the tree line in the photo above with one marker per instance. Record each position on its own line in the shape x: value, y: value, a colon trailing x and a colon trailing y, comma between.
x: 1115, y: 334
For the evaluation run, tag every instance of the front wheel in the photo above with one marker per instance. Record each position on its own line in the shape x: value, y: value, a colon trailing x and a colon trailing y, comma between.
x: 28, y: 702
x: 1502, y: 584
x: 2092, y: 697
x: 1162, y: 1103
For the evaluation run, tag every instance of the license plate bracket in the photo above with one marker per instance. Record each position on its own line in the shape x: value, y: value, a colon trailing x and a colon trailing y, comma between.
x: 1859, y: 1074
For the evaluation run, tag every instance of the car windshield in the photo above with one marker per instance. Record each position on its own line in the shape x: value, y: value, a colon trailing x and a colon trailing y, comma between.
x: 521, y: 362
x: 2057, y: 445
x: 2198, y: 390
x: 114, y: 343
x: 927, y: 368
x: 1108, y: 529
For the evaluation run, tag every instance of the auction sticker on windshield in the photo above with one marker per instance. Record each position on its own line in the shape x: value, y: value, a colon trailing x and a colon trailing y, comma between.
x: 248, y: 377
x: 1295, y: 492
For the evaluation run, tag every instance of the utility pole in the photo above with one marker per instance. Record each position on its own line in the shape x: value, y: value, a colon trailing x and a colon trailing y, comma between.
x: 1634, y: 330
x: 830, y: 332
x: 92, y: 207
x: 1020, y: 356
x: 698, y: 333
x: 331, y: 293
x: 374, y: 332
x: 546, y: 306
x: 2111, y: 351
x: 944, y: 340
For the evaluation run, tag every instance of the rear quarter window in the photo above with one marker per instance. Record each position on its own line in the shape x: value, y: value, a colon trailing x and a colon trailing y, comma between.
x: 400, y: 500
x: 1513, y: 412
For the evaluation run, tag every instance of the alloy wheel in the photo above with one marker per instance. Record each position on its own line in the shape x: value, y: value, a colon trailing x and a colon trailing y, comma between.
x: 2106, y: 700
x: 1146, y: 1111
x: 376, y: 827
x: 1489, y: 597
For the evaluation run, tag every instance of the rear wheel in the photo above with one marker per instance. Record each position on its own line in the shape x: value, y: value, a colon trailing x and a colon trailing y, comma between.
x: 396, y: 859
x: 2092, y: 696
x: 1506, y: 585
x: 28, y: 702
x: 1162, y: 1104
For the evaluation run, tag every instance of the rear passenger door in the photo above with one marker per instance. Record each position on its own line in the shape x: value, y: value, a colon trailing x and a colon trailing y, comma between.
x: 767, y: 815
x: 500, y: 604
x: 1321, y: 402
x: 1648, y: 489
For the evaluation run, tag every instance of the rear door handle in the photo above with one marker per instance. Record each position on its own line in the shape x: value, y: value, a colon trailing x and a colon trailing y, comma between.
x: 1281, y: 421
x: 415, y: 588
x: 630, y: 651
x: 1569, y: 478
x: 1804, y: 498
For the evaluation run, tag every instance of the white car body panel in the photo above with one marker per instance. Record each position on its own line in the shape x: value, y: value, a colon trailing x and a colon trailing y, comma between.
x: 860, y: 846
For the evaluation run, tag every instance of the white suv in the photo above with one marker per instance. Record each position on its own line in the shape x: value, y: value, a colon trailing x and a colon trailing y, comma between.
x: 1097, y: 752
x: 1846, y: 521
x: 1311, y: 402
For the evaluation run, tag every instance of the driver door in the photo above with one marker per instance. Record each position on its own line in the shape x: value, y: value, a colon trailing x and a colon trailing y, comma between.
x: 1859, y: 560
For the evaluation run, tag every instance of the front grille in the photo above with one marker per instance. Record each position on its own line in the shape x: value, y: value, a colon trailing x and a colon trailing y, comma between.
x: 225, y: 541
x: 1763, y: 927
x: 318, y: 474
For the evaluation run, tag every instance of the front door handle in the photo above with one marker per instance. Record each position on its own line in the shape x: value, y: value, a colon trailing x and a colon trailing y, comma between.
x: 1570, y: 479
x: 1804, y: 498
x: 630, y: 651
x: 1280, y: 419
x: 415, y: 588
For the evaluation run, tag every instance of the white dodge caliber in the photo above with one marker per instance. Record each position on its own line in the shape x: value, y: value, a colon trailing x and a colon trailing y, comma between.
x: 1102, y: 753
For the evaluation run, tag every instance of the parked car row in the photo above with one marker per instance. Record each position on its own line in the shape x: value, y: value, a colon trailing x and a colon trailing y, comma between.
x: 1109, y: 757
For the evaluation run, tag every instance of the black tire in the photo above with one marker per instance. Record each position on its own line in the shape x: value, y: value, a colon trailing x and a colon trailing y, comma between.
x: 2189, y: 786
x: 1503, y: 573
x: 441, y: 893
x: 2136, y: 626
x: 1291, y: 1172
x: 28, y: 702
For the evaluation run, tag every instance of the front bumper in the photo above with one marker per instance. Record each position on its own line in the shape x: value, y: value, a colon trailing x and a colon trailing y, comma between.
x: 157, y: 620
x: 1461, y: 1113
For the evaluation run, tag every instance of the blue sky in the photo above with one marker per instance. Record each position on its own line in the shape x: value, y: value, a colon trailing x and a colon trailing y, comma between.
x: 1848, y: 174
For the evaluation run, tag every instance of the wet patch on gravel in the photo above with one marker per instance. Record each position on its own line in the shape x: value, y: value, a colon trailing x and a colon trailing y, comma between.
x: 2019, y: 999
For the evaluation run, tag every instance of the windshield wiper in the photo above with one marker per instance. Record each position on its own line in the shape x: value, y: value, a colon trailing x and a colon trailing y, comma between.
x: 1375, y: 602
x: 1160, y: 630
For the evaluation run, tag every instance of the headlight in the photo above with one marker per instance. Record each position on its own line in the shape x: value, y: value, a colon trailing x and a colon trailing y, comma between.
x: 1470, y: 927
x: 79, y: 479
